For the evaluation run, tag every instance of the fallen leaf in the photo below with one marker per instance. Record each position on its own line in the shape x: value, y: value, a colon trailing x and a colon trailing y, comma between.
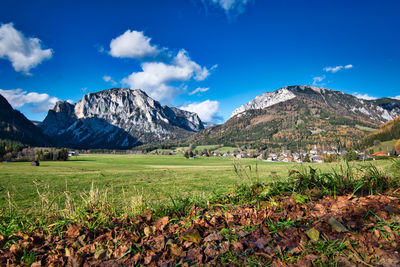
x: 211, y: 250
x: 136, y: 258
x: 161, y: 223
x: 148, y: 230
x: 313, y: 234
x: 176, y: 250
x: 67, y: 252
x: 88, y: 249
x: 195, y: 255
x: 73, y: 231
x: 336, y: 225
x: 377, y: 233
x: 213, y: 237
x: 192, y: 235
x: 224, y: 247
x: 120, y: 251
x: 148, y: 259
x: 187, y: 244
x: 265, y: 255
x: 159, y: 243
x: 261, y: 242
x: 100, y: 254
x: 74, y: 259
x: 237, y: 247
x: 391, y: 209
x: 36, y: 264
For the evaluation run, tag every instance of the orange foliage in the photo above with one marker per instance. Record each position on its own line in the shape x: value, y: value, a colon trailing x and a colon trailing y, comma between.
x: 397, y: 147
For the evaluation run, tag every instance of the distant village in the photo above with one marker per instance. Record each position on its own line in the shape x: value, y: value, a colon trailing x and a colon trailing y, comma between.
x: 314, y: 155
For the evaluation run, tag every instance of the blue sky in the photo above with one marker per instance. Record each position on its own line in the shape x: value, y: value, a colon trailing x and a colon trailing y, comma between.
x: 210, y: 56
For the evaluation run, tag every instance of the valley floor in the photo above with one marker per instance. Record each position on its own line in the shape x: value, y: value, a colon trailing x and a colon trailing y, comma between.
x: 117, y: 210
x: 132, y: 180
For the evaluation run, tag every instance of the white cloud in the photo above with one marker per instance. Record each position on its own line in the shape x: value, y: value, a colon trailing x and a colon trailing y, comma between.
x: 364, y: 96
x: 23, y: 53
x: 156, y: 78
x: 39, y: 102
x: 109, y: 79
x: 199, y: 90
x: 397, y: 97
x: 132, y: 44
x: 207, y: 110
x: 337, y: 68
x: 318, y: 79
x: 229, y: 5
x: 46, y: 105
x: 214, y: 67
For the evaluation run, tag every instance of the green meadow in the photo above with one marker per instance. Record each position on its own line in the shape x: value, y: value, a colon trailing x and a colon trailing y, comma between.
x: 132, y: 180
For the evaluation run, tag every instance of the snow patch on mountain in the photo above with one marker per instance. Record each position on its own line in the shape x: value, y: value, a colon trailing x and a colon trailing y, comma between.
x: 266, y: 100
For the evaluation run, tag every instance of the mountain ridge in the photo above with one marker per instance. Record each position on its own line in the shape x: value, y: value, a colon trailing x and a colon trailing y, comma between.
x: 387, y: 108
x: 16, y: 127
x: 117, y: 118
x: 299, y: 115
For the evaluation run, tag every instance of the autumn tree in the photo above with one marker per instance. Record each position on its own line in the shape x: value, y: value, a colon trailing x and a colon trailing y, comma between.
x: 397, y: 147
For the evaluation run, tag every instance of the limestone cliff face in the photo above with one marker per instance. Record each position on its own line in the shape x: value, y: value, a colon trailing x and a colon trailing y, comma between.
x: 379, y: 110
x: 117, y: 118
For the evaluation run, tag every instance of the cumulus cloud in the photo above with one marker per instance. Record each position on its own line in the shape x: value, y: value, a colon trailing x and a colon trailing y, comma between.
x: 132, y: 44
x: 199, y: 90
x: 46, y: 105
x: 337, y: 68
x: 110, y: 80
x: 23, y: 53
x: 231, y: 5
x: 397, y: 97
x: 364, y: 96
x: 157, y: 78
x: 317, y: 80
x: 39, y: 102
x: 164, y: 73
x: 207, y: 110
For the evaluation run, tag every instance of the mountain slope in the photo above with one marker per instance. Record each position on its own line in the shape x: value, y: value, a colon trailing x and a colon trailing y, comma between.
x: 117, y: 118
x: 296, y: 116
x: 387, y: 132
x: 15, y: 126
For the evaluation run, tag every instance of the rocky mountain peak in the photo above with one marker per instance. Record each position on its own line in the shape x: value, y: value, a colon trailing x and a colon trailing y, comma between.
x: 266, y: 100
x: 305, y: 88
x: 106, y: 114
x: 380, y: 110
x: 64, y: 107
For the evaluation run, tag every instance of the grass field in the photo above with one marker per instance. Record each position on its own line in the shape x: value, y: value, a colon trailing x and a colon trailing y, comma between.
x: 129, y: 179
x: 122, y: 208
x: 386, y: 146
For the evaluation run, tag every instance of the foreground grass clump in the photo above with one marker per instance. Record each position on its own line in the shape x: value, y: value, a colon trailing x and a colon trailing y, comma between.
x: 349, y: 216
x: 347, y: 179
